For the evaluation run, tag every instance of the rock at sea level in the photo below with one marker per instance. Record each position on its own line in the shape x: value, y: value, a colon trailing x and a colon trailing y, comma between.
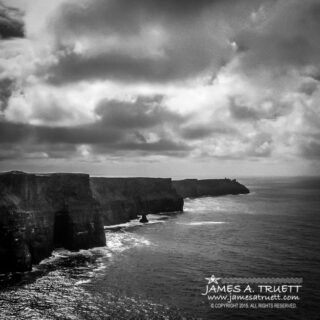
x: 123, y: 199
x: 143, y: 219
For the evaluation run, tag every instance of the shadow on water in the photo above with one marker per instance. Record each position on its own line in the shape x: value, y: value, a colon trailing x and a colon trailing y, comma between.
x: 73, y: 263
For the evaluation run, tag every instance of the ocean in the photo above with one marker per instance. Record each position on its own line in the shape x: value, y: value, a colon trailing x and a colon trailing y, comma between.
x: 159, y: 270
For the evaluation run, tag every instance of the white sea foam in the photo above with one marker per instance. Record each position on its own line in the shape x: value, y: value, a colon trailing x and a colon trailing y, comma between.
x: 135, y: 223
x: 201, y: 223
x: 203, y: 205
x: 58, y: 254
x: 118, y: 242
x: 82, y: 282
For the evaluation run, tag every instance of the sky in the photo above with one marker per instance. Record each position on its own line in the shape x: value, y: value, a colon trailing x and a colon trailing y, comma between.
x: 168, y: 88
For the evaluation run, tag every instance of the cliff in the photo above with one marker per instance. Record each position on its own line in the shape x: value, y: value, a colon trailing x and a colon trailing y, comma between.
x: 192, y: 188
x: 41, y: 212
x: 123, y: 199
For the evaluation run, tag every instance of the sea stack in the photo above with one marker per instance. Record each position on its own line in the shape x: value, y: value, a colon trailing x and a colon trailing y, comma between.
x: 144, y: 219
x: 123, y: 199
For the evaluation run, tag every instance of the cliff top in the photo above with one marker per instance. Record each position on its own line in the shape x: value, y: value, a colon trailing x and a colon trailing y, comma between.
x: 17, y: 172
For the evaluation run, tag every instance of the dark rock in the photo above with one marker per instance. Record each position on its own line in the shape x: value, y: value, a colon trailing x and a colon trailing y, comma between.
x: 144, y: 219
x: 122, y: 199
x: 187, y: 188
x: 192, y: 188
x: 41, y: 212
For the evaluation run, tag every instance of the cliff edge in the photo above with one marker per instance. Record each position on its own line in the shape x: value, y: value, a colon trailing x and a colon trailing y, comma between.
x: 40, y: 212
x: 123, y: 199
x: 193, y: 188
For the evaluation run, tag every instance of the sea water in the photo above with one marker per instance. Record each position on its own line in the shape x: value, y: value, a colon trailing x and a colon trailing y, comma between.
x: 159, y: 270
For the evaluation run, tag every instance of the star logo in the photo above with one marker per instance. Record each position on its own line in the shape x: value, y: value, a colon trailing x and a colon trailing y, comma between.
x: 213, y: 279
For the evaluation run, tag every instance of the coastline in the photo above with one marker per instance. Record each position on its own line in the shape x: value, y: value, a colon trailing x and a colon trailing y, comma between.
x: 158, y: 270
x: 41, y: 212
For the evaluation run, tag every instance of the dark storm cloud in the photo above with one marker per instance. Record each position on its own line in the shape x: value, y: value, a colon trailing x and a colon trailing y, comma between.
x: 139, y: 114
x: 6, y: 87
x: 11, y: 25
x: 288, y: 37
x: 188, y: 39
x: 162, y: 147
x: 13, y: 132
x: 74, y: 67
x: 195, y: 133
x: 34, y: 151
x: 204, y: 131
x: 271, y: 69
x: 127, y: 16
x: 240, y: 111
x: 311, y: 150
x: 308, y: 87
x: 121, y: 127
x: 82, y: 134
x: 124, y: 16
x: 59, y: 142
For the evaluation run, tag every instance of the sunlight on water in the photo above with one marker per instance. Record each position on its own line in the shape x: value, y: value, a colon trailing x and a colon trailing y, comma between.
x: 201, y: 223
x: 152, y: 218
x: 121, y: 241
x: 158, y: 270
x: 207, y: 204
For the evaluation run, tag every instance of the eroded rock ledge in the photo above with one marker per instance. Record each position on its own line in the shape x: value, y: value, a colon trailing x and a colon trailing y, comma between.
x: 193, y: 188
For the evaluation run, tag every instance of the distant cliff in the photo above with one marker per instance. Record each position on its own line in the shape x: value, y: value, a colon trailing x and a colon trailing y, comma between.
x: 41, y: 212
x: 123, y: 199
x: 192, y: 188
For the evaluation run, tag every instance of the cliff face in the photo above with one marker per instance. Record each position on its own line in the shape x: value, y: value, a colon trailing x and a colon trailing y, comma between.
x: 123, y: 199
x: 192, y: 188
x: 41, y: 212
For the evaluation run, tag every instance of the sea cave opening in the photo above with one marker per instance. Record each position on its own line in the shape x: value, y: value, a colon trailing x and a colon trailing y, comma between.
x: 61, y: 229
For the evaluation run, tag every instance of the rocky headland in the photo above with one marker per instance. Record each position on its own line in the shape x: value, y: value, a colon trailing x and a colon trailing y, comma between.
x: 193, y: 188
x: 41, y: 212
